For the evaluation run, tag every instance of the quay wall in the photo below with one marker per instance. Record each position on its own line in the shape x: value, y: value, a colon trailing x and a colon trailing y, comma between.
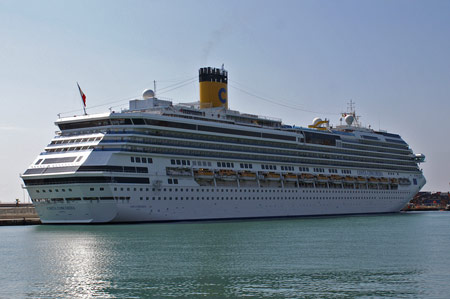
x: 12, y: 214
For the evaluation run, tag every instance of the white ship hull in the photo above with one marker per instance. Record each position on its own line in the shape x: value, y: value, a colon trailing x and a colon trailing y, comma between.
x: 211, y: 203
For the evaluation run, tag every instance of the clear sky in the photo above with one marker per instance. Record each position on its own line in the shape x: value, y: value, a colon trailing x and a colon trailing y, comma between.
x: 390, y: 57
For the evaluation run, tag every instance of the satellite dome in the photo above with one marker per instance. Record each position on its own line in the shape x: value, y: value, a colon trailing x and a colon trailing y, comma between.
x: 316, y: 121
x: 349, y: 119
x: 148, y: 94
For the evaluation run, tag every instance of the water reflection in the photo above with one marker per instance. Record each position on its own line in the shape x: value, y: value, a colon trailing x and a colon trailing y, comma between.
x: 328, y: 258
x: 71, y: 262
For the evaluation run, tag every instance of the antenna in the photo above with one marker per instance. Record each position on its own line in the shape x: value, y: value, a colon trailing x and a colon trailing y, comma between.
x: 154, y: 88
x: 351, y: 107
x: 351, y: 111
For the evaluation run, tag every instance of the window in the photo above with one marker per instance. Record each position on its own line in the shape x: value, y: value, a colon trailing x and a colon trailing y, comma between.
x: 138, y: 160
x: 129, y: 169
x: 132, y: 159
x: 59, y: 160
x: 142, y: 169
x: 138, y: 121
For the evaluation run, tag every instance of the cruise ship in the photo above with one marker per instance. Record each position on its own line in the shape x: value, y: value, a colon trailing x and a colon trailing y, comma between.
x: 158, y: 161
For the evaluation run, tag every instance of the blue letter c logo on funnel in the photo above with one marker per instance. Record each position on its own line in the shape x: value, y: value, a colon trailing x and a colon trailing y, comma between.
x: 221, y: 91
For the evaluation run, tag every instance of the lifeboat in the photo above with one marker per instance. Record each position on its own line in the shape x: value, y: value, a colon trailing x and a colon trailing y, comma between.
x: 247, y: 175
x: 290, y: 177
x: 227, y: 175
x: 361, y: 179
x: 271, y: 176
x: 336, y: 178
x: 322, y: 177
x: 373, y: 180
x: 204, y: 174
x: 307, y: 177
x: 394, y: 181
x: 384, y: 180
x: 349, y: 179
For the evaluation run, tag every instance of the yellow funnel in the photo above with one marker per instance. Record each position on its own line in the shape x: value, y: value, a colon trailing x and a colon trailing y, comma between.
x: 213, y: 87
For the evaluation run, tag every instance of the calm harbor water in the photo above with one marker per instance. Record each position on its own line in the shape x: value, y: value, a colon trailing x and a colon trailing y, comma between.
x: 397, y: 256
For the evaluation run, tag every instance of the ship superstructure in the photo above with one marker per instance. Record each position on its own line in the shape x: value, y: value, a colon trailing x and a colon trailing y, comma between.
x: 157, y: 161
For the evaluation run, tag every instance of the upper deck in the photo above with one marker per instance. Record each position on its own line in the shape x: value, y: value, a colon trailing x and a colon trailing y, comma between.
x: 155, y: 112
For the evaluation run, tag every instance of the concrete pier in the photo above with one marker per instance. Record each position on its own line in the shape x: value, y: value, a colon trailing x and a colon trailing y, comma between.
x: 21, y: 214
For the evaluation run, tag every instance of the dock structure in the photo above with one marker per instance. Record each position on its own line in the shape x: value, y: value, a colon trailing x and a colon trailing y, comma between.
x: 429, y: 201
x: 18, y: 214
